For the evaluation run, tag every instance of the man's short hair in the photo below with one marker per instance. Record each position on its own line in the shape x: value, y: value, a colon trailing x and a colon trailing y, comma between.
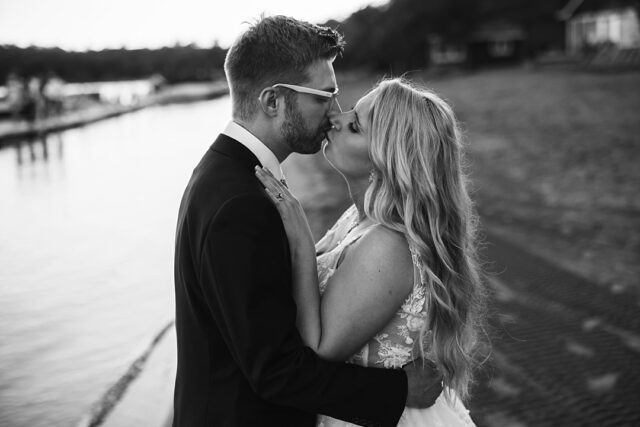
x: 276, y: 49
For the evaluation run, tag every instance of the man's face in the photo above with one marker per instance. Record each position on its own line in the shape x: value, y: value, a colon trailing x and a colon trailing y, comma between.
x: 306, y: 119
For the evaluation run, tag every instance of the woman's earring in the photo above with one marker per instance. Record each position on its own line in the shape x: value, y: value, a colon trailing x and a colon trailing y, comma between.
x: 371, y: 177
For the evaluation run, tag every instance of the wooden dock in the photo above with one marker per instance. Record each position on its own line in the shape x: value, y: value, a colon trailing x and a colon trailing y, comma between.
x: 15, y: 130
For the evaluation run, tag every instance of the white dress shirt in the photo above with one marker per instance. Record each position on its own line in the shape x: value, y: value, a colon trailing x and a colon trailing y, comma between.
x: 257, y: 147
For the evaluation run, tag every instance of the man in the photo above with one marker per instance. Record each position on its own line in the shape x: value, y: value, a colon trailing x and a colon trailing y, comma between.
x: 241, y: 361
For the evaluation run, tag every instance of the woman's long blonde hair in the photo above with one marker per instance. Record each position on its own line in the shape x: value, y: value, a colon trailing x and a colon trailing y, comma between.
x: 419, y: 188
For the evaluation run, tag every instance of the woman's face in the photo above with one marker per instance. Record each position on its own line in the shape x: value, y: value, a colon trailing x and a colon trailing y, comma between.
x: 348, y: 141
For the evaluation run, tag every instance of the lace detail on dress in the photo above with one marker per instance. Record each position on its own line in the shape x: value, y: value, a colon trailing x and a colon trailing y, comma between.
x: 329, y: 239
x: 399, y: 341
x: 415, y: 303
x: 337, y: 239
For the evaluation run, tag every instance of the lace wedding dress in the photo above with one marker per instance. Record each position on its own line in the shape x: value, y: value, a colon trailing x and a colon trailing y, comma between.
x: 398, y: 343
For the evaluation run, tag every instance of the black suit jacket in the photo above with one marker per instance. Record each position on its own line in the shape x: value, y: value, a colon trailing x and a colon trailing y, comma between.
x: 241, y: 361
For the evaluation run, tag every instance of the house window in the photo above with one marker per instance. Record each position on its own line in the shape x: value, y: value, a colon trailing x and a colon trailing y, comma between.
x: 501, y: 48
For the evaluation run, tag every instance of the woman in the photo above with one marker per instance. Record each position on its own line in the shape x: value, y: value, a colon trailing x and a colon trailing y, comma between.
x: 395, y: 278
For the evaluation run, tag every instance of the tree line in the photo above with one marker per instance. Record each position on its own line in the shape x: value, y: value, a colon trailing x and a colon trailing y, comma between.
x: 393, y: 37
x: 175, y: 64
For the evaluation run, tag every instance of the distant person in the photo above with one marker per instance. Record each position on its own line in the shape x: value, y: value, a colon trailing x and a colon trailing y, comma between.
x: 396, y: 277
x: 52, y: 90
x: 15, y: 95
x: 158, y: 83
x: 241, y: 360
x: 27, y: 106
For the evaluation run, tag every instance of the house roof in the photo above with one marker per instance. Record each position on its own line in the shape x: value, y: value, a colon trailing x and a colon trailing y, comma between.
x: 568, y: 10
x: 573, y: 7
x: 498, y: 31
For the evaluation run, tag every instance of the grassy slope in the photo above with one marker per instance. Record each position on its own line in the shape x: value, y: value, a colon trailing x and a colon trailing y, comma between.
x: 555, y: 161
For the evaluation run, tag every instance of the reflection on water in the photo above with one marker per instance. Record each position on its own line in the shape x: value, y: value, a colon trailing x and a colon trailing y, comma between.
x: 38, y: 147
x: 87, y: 221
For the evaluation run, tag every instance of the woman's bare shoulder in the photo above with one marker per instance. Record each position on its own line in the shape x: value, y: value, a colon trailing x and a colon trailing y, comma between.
x: 384, y: 248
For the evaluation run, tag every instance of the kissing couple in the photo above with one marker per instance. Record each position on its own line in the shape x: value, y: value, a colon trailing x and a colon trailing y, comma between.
x: 377, y: 323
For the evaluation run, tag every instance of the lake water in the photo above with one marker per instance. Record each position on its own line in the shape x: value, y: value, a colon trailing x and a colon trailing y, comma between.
x: 86, y: 250
x: 86, y: 254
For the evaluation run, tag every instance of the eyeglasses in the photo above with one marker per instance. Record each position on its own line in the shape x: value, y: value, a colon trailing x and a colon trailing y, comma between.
x: 332, y: 96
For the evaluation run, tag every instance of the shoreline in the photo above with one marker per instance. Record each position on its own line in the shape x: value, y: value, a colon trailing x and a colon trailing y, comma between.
x: 101, y: 410
x: 12, y: 131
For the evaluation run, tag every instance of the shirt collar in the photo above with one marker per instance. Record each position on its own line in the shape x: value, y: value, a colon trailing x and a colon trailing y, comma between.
x: 257, y: 147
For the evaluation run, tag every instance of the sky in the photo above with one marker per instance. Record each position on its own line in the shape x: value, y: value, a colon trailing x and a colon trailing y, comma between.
x: 98, y: 24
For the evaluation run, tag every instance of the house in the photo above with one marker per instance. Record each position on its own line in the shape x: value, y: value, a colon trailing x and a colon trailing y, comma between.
x: 497, y: 43
x: 493, y: 43
x: 589, y: 27
x: 443, y: 52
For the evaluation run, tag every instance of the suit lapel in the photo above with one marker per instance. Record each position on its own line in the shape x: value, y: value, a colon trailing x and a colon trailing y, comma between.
x: 230, y: 147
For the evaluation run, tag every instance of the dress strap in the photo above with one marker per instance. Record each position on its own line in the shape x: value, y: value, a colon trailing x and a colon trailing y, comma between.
x: 328, y: 241
x: 347, y: 216
x: 353, y: 235
x: 418, y: 266
x: 416, y: 302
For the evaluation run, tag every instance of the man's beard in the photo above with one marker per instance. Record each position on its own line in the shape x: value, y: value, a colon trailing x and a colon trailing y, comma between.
x: 297, y: 136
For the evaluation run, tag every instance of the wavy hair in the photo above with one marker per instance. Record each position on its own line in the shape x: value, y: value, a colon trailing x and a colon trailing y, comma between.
x: 419, y: 188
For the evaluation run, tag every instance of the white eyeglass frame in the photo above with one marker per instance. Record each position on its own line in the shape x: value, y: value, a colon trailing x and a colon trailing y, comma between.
x: 304, y: 89
x: 332, y: 96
